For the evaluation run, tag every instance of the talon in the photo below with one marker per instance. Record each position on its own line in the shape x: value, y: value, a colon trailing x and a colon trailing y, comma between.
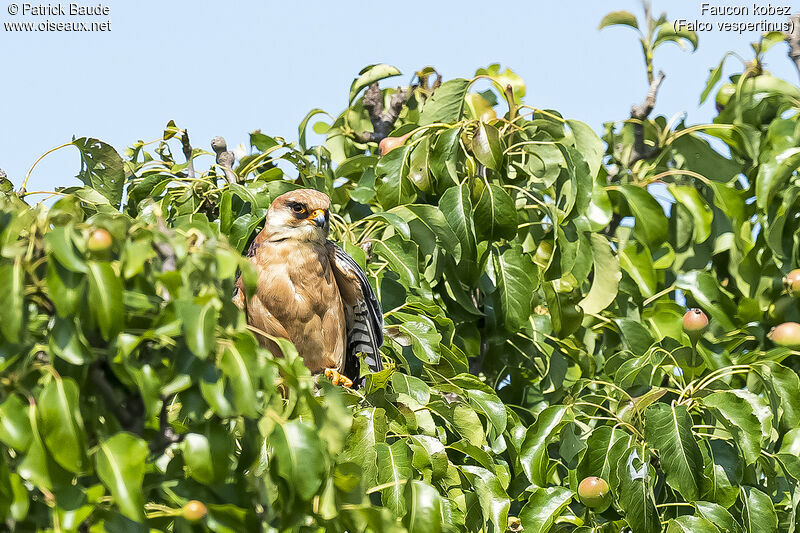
x: 337, y: 378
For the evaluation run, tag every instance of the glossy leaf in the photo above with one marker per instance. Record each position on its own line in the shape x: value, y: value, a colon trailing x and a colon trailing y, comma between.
x: 370, y: 75
x: 668, y: 429
x: 120, y: 466
x: 636, y: 491
x: 543, y: 507
x: 62, y: 424
x: 105, y: 293
x: 625, y: 18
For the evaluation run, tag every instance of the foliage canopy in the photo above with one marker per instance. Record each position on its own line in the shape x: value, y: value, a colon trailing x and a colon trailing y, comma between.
x: 533, y: 276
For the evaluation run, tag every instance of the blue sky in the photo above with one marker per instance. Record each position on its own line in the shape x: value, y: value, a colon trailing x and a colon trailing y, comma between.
x: 227, y: 68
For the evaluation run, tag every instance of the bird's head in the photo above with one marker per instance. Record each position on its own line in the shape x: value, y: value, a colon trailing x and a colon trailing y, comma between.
x: 303, y: 214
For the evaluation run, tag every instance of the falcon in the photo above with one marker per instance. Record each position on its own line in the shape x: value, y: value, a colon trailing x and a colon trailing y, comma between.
x: 311, y: 292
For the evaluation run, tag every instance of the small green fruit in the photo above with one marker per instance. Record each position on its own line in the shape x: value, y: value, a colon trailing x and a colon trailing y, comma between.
x: 694, y: 321
x: 99, y: 241
x: 792, y: 282
x: 194, y: 511
x: 724, y: 95
x: 594, y: 492
x: 786, y: 335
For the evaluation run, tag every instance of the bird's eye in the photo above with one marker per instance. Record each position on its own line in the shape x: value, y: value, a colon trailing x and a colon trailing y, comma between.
x: 297, y: 208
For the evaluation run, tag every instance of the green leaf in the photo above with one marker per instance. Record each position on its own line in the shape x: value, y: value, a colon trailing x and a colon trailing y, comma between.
x: 446, y: 104
x: 355, y: 165
x: 238, y: 364
x: 667, y: 33
x: 636, y: 491
x: 21, y: 503
x: 199, y: 325
x: 533, y: 452
x: 758, y: 513
x: 603, y: 451
x: 37, y: 466
x: 101, y: 169
x: 424, y: 506
x: 15, y: 427
x: 516, y: 279
x: 492, y: 497
x: 456, y: 206
x: 62, y: 424
x: 607, y: 276
x: 197, y: 455
x: 543, y: 507
x: 722, y: 472
x: 736, y: 414
x: 588, y: 143
x: 504, y: 79
x: 636, y: 260
x: 718, y: 515
x: 487, y: 145
x: 419, y: 165
x: 12, y: 294
x: 394, y: 466
x: 299, y: 456
x: 691, y: 524
x: 714, y: 75
x: 59, y: 243
x: 65, y: 288
x: 706, y: 291
x: 369, y: 428
x: 668, y: 429
x: 423, y: 339
x: 393, y: 220
x: 635, y: 337
x: 651, y: 223
x: 301, y: 129
x: 785, y: 387
x: 467, y: 423
x: 773, y: 174
x: 698, y: 208
x: 105, y: 295
x: 429, y: 455
x: 412, y: 387
x: 435, y: 221
x: 402, y: 256
x: 490, y: 405
x: 615, y: 18
x: 370, y: 75
x: 120, y: 463
x: 392, y: 185
x: 495, y: 213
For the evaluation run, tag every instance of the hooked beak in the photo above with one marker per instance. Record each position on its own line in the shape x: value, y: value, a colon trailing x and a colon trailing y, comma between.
x: 319, y: 217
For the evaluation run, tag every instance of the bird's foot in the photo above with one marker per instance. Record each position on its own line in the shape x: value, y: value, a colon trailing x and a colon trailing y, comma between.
x: 338, y: 378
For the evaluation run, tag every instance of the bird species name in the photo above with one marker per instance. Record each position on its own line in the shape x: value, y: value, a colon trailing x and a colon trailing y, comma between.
x: 744, y: 10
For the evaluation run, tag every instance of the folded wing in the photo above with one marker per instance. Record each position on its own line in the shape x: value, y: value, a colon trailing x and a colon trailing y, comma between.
x: 363, y: 314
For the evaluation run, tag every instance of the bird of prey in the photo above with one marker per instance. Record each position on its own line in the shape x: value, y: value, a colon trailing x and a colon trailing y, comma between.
x: 311, y: 292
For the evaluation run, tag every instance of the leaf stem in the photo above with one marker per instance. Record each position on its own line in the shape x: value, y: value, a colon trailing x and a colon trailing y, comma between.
x: 50, y: 151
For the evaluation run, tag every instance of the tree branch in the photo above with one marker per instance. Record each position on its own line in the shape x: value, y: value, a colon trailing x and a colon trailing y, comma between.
x: 167, y: 435
x: 793, y: 39
x: 382, y: 119
x: 169, y: 261
x: 224, y: 158
x: 640, y: 113
x: 187, y: 153
x: 129, y: 412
